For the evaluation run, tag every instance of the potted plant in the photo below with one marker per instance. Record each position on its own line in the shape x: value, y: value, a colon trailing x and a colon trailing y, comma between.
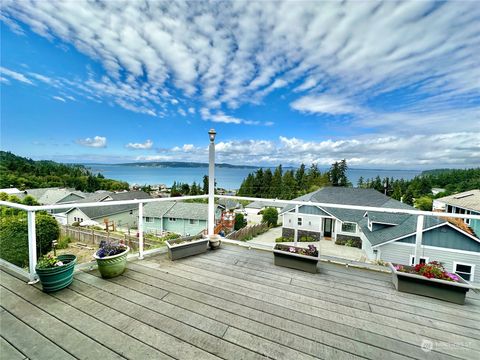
x: 111, y: 259
x: 430, y: 280
x: 305, y: 259
x: 214, y: 241
x: 55, y: 272
x: 180, y: 248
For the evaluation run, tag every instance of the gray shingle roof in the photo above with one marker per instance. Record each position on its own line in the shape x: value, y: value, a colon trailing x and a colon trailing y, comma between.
x: 103, y: 211
x: 178, y: 210
x: 407, y: 227
x: 262, y: 204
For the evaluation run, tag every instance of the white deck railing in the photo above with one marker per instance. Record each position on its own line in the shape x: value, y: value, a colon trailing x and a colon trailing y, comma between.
x: 31, y: 211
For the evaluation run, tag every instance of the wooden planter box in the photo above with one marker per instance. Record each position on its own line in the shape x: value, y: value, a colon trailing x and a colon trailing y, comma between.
x: 177, y: 250
x: 435, y: 288
x: 295, y: 261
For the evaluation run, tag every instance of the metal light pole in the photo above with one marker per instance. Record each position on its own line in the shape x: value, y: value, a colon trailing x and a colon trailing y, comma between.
x: 211, y: 183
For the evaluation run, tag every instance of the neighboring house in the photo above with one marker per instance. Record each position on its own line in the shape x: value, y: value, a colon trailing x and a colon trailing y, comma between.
x: 255, y: 207
x: 178, y: 217
x: 55, y: 196
x: 120, y: 215
x: 229, y: 204
x: 11, y: 191
x: 384, y: 236
x: 467, y: 202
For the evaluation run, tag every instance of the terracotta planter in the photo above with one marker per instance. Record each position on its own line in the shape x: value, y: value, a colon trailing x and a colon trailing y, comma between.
x: 58, y: 277
x: 111, y: 266
x: 450, y: 291
x: 179, y: 248
x: 295, y: 261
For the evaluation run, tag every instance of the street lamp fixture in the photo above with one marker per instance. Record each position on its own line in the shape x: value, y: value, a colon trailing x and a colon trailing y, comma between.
x: 211, y: 135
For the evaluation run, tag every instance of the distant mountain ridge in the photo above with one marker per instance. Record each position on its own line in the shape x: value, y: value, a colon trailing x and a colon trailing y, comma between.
x: 180, y: 164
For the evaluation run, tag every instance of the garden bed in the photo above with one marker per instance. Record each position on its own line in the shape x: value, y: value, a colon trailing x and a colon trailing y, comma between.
x: 296, y: 257
x: 180, y: 248
x: 447, y: 290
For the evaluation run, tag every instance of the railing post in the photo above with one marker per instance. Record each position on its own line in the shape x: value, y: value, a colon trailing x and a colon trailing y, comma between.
x: 140, y: 231
x: 32, y: 245
x: 295, y: 234
x: 418, y: 239
x: 211, y: 184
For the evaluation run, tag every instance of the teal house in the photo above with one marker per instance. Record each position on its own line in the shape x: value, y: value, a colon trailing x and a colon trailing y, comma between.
x: 177, y: 217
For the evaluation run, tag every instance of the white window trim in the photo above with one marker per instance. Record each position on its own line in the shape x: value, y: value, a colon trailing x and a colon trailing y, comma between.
x: 472, y: 274
x: 427, y: 259
x: 195, y: 221
x: 149, y: 219
x: 301, y: 220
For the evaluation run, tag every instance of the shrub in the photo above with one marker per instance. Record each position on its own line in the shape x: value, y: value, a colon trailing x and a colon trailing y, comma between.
x: 14, y: 237
x: 349, y: 242
x: 63, y: 242
x: 270, y: 216
x: 283, y: 239
x: 240, y: 221
x: 76, y: 223
x: 307, y: 238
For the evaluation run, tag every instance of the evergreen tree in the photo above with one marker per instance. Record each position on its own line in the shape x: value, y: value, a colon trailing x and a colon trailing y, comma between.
x: 276, y: 188
x: 361, y: 182
x: 301, y: 179
x: 267, y: 183
x: 205, y: 184
x: 288, y: 186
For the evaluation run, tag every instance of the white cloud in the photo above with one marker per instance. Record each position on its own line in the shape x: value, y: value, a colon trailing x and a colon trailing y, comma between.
x: 140, y: 146
x: 231, y: 55
x: 182, y: 112
x: 191, y: 110
x: 15, y: 75
x: 58, y: 98
x: 324, y: 104
x: 460, y: 149
x: 96, y: 142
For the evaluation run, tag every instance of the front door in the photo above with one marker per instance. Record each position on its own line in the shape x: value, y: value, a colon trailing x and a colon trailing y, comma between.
x: 327, y: 227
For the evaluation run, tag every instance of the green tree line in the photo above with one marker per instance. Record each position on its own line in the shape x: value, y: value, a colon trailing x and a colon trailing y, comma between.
x: 418, y: 191
x: 23, y: 173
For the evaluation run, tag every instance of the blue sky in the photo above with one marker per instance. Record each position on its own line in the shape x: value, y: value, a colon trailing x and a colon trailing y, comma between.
x: 384, y: 85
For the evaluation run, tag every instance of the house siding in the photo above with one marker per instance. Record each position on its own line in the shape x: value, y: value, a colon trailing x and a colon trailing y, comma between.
x: 311, y: 223
x: 446, y: 237
x: 400, y: 253
x: 180, y: 226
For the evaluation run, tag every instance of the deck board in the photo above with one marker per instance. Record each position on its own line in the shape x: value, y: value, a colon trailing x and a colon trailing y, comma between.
x: 232, y: 303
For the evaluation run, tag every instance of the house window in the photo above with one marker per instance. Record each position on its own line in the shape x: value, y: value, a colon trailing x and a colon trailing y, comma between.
x: 149, y: 219
x: 423, y: 260
x: 193, y: 222
x: 466, y: 271
x: 289, y: 221
x: 299, y: 221
x: 349, y: 227
x: 81, y: 220
x: 75, y: 219
x: 172, y: 219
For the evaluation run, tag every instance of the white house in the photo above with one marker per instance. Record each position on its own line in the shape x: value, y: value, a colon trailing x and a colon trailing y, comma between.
x: 383, y: 236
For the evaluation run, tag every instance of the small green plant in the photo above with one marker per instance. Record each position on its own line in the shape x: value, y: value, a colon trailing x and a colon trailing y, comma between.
x: 48, y: 261
x: 307, y: 238
x: 76, y: 224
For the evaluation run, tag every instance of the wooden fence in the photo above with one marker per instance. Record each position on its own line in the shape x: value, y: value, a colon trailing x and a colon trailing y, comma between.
x: 94, y: 237
x: 248, y: 232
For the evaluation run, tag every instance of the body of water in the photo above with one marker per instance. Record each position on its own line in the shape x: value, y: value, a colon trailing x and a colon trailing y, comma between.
x: 227, y: 178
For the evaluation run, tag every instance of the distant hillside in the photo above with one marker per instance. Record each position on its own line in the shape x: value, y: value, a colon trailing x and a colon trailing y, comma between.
x: 179, y: 164
x: 23, y: 173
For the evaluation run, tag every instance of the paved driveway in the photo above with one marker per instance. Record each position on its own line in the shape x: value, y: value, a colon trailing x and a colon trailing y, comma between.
x: 326, y: 247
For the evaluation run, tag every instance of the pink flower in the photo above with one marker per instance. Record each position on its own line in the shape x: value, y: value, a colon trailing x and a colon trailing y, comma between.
x: 454, y: 277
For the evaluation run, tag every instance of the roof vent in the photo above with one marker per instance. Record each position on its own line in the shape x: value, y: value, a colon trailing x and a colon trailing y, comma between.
x: 463, y: 196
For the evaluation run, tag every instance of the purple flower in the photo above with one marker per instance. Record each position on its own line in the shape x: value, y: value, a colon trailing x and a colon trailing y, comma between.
x: 454, y: 277
x: 292, y: 249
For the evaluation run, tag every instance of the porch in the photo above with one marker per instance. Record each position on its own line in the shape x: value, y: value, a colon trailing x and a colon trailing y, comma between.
x: 233, y: 303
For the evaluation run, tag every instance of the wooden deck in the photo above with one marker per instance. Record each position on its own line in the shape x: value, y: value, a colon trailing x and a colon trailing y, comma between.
x: 232, y: 304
